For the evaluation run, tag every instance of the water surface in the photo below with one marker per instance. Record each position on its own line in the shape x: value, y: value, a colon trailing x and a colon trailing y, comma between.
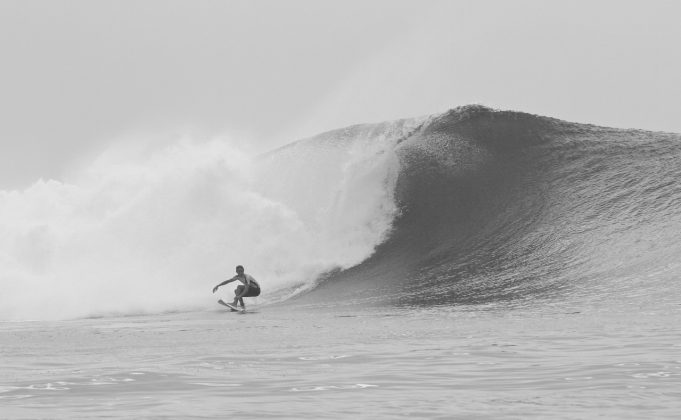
x: 302, y: 362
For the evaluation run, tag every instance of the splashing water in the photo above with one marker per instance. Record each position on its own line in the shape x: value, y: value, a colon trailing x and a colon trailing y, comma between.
x: 141, y: 232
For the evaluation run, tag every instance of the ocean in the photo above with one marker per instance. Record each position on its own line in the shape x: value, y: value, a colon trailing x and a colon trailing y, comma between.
x: 471, y: 264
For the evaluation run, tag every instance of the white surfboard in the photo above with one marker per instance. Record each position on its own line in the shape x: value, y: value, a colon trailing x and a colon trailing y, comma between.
x: 230, y: 306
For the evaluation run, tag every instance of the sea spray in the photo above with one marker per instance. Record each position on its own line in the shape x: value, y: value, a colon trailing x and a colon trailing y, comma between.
x: 142, y: 231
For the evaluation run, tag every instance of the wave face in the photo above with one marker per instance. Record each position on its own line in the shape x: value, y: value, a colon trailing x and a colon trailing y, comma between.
x: 502, y: 206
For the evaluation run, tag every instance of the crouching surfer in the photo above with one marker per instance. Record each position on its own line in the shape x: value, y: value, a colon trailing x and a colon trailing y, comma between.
x: 250, y: 287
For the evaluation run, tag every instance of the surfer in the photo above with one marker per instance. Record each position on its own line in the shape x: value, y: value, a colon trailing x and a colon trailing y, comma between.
x: 250, y: 287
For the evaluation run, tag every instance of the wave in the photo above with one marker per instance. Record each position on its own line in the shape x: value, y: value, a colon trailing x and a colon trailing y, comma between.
x: 470, y: 206
x: 500, y: 206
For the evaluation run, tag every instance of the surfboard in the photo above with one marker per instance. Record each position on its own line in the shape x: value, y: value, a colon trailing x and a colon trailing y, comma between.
x: 230, y: 306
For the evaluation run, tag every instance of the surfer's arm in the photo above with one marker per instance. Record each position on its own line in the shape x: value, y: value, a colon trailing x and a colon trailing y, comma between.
x: 223, y: 283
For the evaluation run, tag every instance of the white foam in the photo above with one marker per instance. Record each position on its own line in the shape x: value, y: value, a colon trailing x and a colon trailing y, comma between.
x: 145, y: 231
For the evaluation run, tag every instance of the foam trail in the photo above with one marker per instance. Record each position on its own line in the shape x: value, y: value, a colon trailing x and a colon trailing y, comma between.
x: 142, y: 232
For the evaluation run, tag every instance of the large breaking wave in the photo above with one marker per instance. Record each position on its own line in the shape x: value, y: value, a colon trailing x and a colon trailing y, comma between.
x: 467, y: 207
x: 501, y: 206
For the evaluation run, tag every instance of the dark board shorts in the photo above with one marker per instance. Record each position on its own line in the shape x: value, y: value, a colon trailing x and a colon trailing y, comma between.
x: 252, y: 292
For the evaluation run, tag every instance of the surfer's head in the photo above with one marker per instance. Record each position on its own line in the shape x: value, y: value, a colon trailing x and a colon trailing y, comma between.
x: 239, y: 269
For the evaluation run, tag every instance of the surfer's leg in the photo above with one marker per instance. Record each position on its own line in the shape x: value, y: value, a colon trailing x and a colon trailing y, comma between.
x: 237, y: 292
x: 241, y: 300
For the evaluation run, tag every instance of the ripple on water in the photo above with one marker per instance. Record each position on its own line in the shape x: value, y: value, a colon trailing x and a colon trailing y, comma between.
x: 332, y: 387
x: 654, y: 375
x: 216, y: 384
x: 15, y: 397
x: 332, y: 357
x: 17, y: 391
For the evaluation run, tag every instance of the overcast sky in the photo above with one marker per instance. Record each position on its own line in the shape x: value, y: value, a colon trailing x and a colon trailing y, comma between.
x: 78, y: 75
